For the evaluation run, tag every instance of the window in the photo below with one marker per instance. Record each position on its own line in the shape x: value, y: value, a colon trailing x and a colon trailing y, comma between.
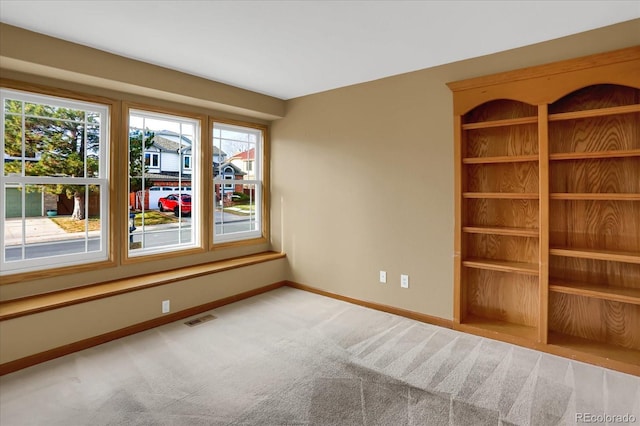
x: 187, y: 162
x: 237, y: 195
x: 166, y: 220
x: 55, y: 182
x: 152, y: 159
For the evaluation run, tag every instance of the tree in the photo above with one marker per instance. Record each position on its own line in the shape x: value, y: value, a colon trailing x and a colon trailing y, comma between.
x: 57, y: 142
x: 137, y: 163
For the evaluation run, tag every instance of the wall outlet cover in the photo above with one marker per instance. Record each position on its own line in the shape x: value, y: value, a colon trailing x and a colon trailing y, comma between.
x: 404, y: 281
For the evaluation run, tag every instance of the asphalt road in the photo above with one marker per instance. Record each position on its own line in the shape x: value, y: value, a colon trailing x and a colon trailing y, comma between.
x: 153, y: 238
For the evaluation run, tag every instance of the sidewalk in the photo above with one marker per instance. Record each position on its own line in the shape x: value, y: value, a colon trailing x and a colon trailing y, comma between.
x: 37, y: 229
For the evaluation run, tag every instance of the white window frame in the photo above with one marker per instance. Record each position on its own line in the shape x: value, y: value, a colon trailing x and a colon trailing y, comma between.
x: 102, y: 180
x: 196, y: 223
x: 184, y: 161
x: 229, y: 182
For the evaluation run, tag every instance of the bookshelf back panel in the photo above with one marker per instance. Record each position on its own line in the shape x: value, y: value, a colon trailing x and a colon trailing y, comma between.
x: 502, y: 296
x: 504, y: 177
x: 507, y: 213
x: 595, y: 319
x: 599, y: 225
x: 502, y: 141
x: 605, y: 133
x: 500, y: 109
x: 612, y: 175
x: 595, y: 97
x: 595, y: 272
x: 501, y: 247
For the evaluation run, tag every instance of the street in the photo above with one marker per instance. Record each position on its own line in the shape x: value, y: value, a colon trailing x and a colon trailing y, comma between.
x: 154, y: 236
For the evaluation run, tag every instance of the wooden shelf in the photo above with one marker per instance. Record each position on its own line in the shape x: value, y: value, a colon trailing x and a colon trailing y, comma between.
x: 616, y: 294
x: 500, y: 123
x: 600, y: 196
x: 590, y: 113
x: 503, y: 195
x: 500, y: 159
x: 489, y: 326
x: 502, y: 265
x: 594, y: 155
x: 576, y: 347
x: 501, y: 230
x: 609, y: 255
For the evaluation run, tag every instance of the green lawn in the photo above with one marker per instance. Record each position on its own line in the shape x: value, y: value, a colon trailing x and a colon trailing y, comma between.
x: 150, y: 218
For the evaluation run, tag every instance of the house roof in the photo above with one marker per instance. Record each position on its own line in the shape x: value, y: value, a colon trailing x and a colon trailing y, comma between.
x: 166, y: 140
x: 245, y: 155
x: 167, y: 177
x: 170, y: 141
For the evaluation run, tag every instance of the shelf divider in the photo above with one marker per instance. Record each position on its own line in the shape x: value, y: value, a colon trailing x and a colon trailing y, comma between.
x: 502, y: 266
x: 503, y: 195
x: 610, y: 255
x: 600, y: 112
x: 501, y: 159
x: 594, y: 155
x: 596, y: 196
x: 499, y: 123
x: 615, y: 294
x: 501, y: 230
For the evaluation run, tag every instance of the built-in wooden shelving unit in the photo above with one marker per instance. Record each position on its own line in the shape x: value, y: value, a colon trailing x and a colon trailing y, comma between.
x: 547, y: 242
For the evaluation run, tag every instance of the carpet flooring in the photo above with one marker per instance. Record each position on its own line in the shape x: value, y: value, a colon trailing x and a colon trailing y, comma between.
x: 289, y: 357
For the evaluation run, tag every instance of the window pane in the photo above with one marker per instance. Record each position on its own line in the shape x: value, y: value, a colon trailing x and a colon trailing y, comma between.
x: 54, y: 191
x: 237, y: 181
x: 235, y: 210
x: 40, y: 221
x: 161, y: 216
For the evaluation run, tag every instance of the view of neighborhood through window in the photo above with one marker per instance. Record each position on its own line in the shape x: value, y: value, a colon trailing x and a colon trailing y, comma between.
x: 54, y: 184
x: 163, y: 213
x: 237, y: 156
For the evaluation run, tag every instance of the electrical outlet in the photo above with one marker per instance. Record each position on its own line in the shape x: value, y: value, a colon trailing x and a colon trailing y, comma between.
x: 166, y: 306
x: 404, y: 281
x: 383, y: 276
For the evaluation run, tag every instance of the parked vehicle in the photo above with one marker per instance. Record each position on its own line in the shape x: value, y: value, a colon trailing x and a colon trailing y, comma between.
x: 176, y: 203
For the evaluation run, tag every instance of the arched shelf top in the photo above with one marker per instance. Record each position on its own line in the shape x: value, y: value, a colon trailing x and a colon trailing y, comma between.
x: 499, y: 109
x: 546, y: 84
x: 596, y: 96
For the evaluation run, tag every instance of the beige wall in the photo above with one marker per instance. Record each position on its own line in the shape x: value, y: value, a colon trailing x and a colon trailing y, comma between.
x: 362, y: 177
x: 32, y: 334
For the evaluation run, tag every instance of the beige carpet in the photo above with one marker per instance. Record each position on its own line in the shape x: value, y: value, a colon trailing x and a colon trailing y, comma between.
x: 290, y: 357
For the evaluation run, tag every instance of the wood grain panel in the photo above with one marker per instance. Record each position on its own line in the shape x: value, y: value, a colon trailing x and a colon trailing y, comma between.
x: 503, y: 296
x: 500, y: 109
x: 502, y: 247
x: 596, y: 96
x: 611, y: 175
x: 595, y: 272
x: 505, y: 213
x: 501, y: 141
x: 608, y: 133
x: 599, y: 225
x: 502, y: 177
x: 595, y: 319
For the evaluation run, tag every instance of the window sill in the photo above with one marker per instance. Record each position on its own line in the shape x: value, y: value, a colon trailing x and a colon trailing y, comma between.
x: 34, y: 304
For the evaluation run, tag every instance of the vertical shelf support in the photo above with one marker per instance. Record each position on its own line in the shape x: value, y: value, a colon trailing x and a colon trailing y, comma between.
x: 543, y: 164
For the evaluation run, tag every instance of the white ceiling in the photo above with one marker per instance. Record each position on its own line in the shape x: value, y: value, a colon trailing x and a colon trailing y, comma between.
x: 291, y: 48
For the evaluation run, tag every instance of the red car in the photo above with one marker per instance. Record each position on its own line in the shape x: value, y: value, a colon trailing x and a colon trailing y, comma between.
x: 173, y: 202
